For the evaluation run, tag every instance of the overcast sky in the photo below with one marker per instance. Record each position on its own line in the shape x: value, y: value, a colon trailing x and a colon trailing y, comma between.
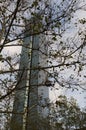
x: 71, y: 32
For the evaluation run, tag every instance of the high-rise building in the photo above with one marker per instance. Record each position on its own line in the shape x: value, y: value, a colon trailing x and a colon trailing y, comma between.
x: 32, y: 92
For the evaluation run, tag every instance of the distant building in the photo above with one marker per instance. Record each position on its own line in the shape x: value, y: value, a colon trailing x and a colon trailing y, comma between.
x: 32, y: 92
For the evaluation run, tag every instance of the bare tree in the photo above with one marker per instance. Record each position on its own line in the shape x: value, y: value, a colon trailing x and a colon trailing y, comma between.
x: 23, y: 23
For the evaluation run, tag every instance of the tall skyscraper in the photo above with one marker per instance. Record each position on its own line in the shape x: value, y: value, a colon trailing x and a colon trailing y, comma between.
x: 31, y: 90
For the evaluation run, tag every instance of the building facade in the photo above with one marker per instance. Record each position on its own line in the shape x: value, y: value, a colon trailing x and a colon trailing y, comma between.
x: 32, y: 94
